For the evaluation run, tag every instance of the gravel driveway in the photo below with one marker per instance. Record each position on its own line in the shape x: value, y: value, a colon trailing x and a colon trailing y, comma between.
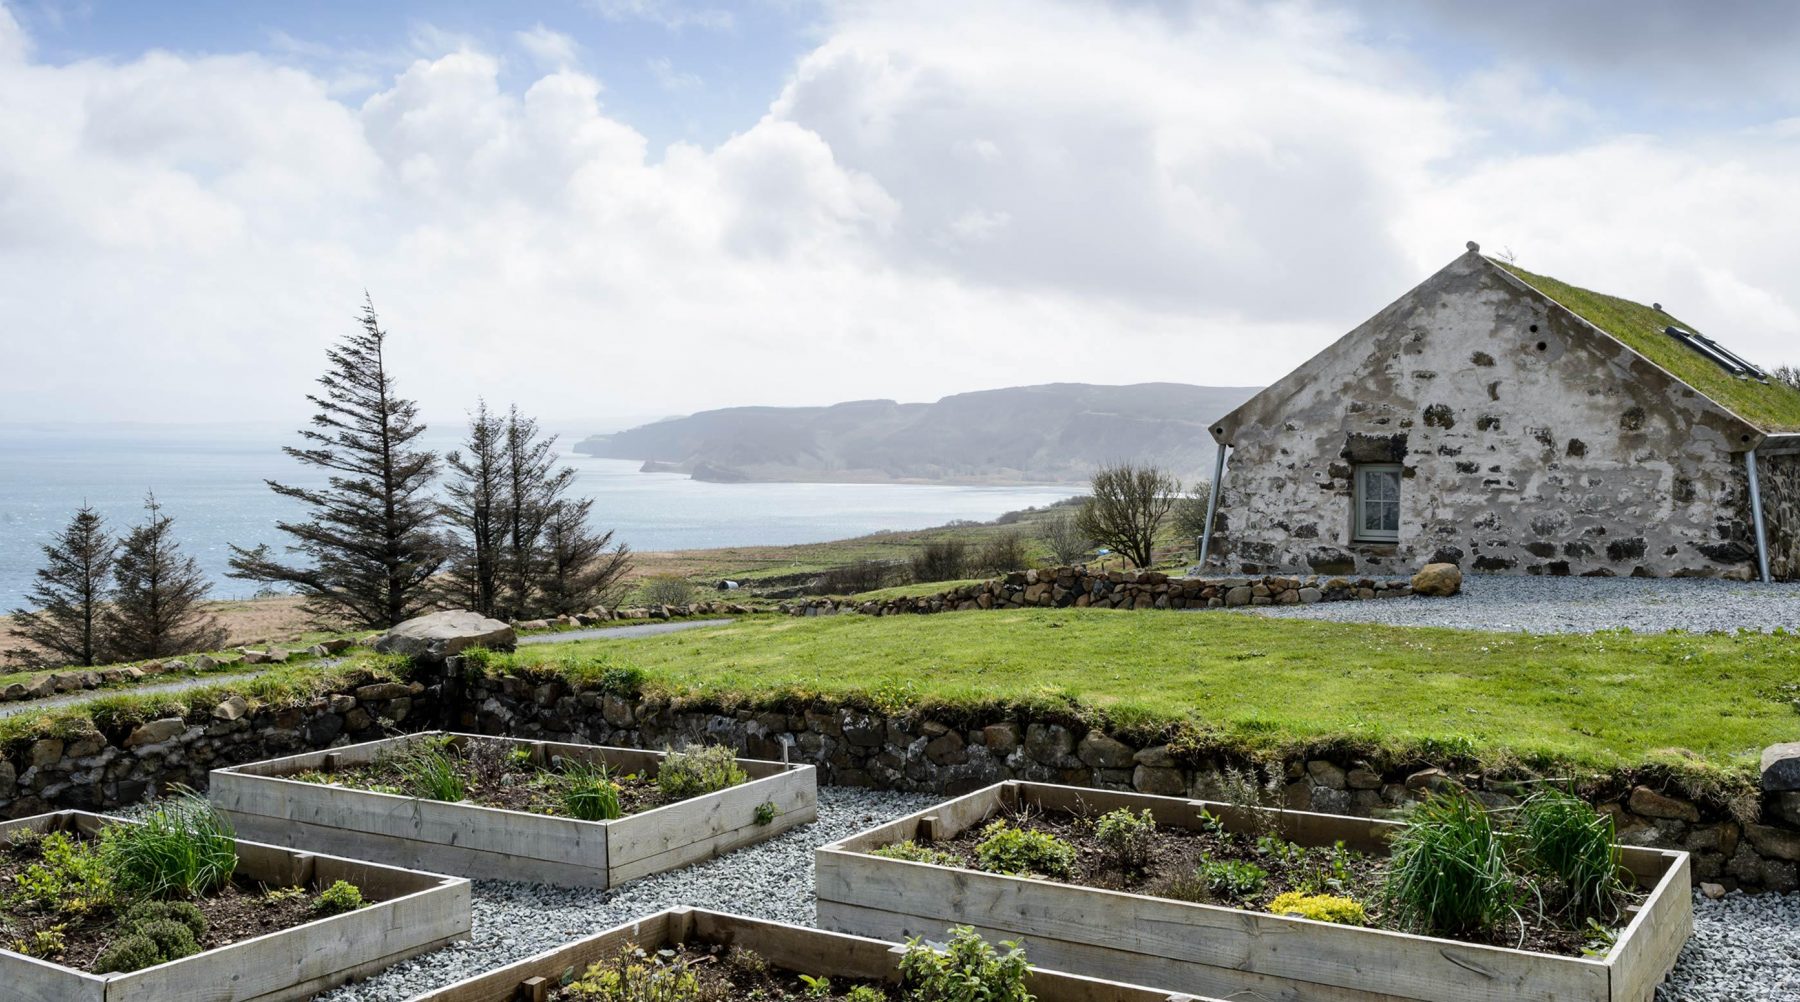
x: 1576, y: 605
x: 1745, y: 949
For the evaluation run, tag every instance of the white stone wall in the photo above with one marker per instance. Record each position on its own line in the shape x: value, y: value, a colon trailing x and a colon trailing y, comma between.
x: 1529, y: 444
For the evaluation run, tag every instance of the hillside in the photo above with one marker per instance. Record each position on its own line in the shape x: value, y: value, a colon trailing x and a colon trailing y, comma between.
x: 1053, y: 433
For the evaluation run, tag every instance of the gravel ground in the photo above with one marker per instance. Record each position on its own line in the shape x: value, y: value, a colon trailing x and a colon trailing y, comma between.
x: 513, y: 921
x: 1577, y: 605
x: 620, y: 632
x: 1746, y: 948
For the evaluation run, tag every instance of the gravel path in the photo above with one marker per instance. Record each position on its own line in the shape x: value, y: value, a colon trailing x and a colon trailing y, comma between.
x: 513, y: 921
x: 620, y: 632
x: 1746, y: 948
x: 1577, y: 605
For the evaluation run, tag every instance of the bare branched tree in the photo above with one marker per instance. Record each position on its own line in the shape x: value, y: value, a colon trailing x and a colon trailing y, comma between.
x: 1190, y: 511
x: 1065, y: 539
x: 1128, y: 505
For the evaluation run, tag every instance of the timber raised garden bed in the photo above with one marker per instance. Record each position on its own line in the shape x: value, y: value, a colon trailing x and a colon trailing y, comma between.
x: 252, y: 945
x: 1153, y: 932
x: 715, y: 945
x: 317, y: 801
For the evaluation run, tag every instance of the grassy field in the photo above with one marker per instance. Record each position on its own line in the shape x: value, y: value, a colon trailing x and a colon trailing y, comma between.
x: 1696, y: 703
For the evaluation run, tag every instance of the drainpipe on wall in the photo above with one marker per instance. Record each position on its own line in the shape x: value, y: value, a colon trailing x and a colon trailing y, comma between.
x: 1212, y: 507
x: 1756, y: 517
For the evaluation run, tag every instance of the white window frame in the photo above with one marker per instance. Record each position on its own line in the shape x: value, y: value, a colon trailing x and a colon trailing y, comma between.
x: 1358, y: 500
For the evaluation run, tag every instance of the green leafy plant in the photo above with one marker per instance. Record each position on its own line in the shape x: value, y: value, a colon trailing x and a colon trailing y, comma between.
x: 71, y: 876
x: 1126, y: 838
x: 1448, y: 872
x: 587, y: 791
x: 1232, y: 878
x: 173, y: 940
x: 275, y: 897
x: 153, y: 932
x: 183, y: 848
x: 519, y: 756
x: 968, y: 970
x: 635, y: 976
x: 865, y: 993
x: 45, y: 944
x: 342, y: 896
x: 185, y: 912
x: 695, y: 771
x: 1562, y: 835
x: 1319, y: 907
x: 766, y: 813
x: 131, y: 952
x: 1600, y: 939
x: 913, y: 852
x: 429, y: 771
x: 817, y: 987
x: 1020, y: 851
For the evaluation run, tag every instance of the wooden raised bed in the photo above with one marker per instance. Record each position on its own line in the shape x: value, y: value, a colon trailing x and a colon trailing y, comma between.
x: 416, y: 913
x: 489, y: 843
x: 791, y: 947
x: 1221, y: 950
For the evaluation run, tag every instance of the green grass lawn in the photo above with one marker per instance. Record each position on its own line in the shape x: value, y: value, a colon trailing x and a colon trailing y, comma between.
x: 1703, y: 703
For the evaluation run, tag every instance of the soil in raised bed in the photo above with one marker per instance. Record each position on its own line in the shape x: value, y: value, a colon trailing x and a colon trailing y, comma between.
x: 491, y: 778
x: 723, y: 973
x: 1176, y: 853
x: 240, y: 910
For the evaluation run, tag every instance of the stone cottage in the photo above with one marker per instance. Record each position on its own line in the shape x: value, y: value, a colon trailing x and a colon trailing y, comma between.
x: 1508, y: 422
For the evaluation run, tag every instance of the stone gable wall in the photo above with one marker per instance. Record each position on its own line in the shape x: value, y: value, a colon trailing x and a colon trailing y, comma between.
x: 1779, y: 478
x: 1527, y: 444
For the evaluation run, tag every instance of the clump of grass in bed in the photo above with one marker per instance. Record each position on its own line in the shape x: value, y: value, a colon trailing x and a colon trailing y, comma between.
x: 430, y: 771
x: 587, y: 791
x: 183, y: 849
x: 1449, y: 872
x: 1565, y: 837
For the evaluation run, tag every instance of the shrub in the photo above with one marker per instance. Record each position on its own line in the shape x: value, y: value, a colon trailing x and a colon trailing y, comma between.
x: 695, y: 771
x: 1319, y: 907
x: 587, y: 791
x: 667, y: 590
x: 855, y: 577
x: 942, y: 561
x: 1448, y: 871
x: 1562, y: 835
x: 913, y: 852
x: 1126, y: 839
x: 1003, y: 553
x: 342, y: 896
x: 969, y: 970
x: 1020, y: 851
x: 183, y: 848
x: 184, y: 912
x: 131, y: 952
x: 173, y: 940
x: 429, y: 771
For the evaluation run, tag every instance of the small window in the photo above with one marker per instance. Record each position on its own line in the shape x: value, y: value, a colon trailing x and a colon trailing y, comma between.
x: 1377, y: 511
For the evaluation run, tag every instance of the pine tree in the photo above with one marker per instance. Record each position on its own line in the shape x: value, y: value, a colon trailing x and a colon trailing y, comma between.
x: 580, y: 569
x: 155, y: 610
x: 369, y: 539
x: 476, y: 504
x: 533, y: 488
x: 65, y: 626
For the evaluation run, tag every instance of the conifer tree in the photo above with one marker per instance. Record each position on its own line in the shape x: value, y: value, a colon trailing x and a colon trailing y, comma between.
x: 534, y: 487
x: 475, y: 506
x: 368, y: 540
x: 580, y: 569
x: 64, y: 626
x: 155, y: 610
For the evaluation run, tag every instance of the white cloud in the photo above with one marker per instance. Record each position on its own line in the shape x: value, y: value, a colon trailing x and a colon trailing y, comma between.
x: 552, y: 49
x: 943, y: 197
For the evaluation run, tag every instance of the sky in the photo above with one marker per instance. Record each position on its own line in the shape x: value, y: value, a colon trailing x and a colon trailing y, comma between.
x: 609, y: 211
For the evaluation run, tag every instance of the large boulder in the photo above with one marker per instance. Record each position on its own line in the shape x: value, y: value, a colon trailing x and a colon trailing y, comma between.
x: 1781, y: 767
x: 445, y: 634
x: 1437, y: 580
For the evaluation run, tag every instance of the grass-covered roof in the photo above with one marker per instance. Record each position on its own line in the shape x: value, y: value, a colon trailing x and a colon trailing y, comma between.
x: 1771, y: 406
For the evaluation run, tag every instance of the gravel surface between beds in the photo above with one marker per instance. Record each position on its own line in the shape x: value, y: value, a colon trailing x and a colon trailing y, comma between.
x: 1745, y: 949
x: 1576, y: 605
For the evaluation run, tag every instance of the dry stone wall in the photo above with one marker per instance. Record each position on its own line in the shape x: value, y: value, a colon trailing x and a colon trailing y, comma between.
x: 857, y: 747
x: 1062, y: 587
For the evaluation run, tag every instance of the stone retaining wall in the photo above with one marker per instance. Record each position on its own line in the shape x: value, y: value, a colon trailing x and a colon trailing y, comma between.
x: 858, y: 748
x: 1080, y: 587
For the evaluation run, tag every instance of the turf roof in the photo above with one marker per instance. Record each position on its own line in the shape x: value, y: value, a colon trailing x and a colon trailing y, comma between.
x: 1771, y: 406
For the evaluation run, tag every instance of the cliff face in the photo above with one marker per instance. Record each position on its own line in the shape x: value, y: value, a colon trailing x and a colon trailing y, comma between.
x: 1054, y: 433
